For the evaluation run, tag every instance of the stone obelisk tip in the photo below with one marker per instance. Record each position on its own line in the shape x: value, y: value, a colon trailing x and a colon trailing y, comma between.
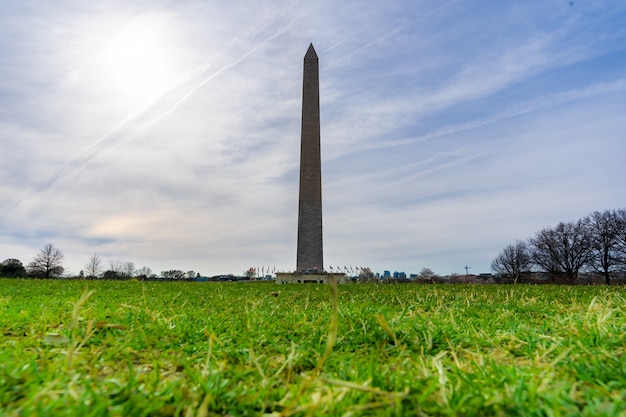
x: 310, y: 53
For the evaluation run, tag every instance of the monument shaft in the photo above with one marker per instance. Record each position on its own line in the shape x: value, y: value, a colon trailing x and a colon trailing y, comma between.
x: 310, y: 252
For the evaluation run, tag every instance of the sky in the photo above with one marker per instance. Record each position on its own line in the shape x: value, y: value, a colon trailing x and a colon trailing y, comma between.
x: 167, y: 133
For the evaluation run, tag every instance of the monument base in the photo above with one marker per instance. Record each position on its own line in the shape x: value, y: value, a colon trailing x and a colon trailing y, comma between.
x: 310, y: 278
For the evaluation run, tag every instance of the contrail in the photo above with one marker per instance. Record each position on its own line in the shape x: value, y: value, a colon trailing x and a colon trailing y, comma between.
x: 91, y: 150
x: 388, y: 34
x: 77, y: 164
x: 517, y: 110
x: 513, y: 111
x: 341, y: 42
x: 522, y: 108
x: 74, y: 166
x: 197, y: 87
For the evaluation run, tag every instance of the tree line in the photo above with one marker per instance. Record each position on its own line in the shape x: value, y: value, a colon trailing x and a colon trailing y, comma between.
x: 594, y: 243
x: 48, y: 264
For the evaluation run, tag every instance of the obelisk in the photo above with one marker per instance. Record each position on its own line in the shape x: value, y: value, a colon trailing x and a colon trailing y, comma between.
x: 310, y: 254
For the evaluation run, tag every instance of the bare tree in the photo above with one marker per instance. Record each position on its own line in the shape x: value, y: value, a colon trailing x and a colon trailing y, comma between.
x: 174, y: 274
x: 116, y: 266
x: 427, y: 275
x: 563, y: 250
x: 512, y: 261
x: 621, y: 237
x: 93, y: 269
x: 47, y: 263
x: 607, y: 252
x: 144, y: 272
x: 129, y: 269
x: 117, y: 270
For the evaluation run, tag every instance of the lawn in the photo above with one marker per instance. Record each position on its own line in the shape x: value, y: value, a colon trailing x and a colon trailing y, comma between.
x: 77, y: 348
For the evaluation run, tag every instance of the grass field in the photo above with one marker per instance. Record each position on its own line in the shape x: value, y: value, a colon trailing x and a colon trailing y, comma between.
x: 203, y: 349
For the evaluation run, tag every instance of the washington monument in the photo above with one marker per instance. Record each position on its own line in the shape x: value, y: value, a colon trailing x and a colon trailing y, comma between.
x: 310, y: 253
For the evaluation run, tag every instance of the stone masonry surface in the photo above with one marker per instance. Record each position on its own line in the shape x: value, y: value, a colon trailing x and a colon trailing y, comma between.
x: 310, y: 252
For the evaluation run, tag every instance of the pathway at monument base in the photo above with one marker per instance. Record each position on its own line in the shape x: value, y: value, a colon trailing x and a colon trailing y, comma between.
x: 311, y: 278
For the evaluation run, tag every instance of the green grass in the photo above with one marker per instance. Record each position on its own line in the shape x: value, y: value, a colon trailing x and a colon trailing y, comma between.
x: 72, y: 348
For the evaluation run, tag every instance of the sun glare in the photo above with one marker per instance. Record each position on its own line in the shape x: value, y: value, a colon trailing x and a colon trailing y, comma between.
x: 140, y: 59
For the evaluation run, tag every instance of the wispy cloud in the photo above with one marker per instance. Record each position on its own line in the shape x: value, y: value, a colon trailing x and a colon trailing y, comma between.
x: 448, y: 130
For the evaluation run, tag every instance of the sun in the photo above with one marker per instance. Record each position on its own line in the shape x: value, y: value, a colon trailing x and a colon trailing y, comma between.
x: 140, y: 58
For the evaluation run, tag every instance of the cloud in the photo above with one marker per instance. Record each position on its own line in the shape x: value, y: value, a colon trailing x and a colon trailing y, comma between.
x: 448, y: 130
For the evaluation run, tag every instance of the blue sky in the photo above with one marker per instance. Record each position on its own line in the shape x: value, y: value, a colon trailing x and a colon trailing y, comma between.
x: 166, y: 133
